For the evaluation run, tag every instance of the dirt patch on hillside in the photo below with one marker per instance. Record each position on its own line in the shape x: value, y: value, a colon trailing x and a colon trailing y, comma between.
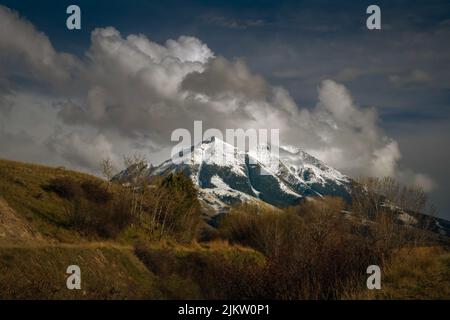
x: 13, y: 229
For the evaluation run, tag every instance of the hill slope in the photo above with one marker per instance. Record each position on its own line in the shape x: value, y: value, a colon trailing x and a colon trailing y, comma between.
x: 37, y: 244
x: 107, y: 272
x: 23, y: 188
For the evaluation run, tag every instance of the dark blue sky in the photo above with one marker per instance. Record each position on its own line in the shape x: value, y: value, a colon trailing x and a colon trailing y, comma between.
x: 319, y: 37
x: 402, y: 70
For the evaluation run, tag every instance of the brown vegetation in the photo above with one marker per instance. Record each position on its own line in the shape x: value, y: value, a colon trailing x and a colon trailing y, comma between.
x: 322, y: 248
x: 168, y: 207
x: 318, y: 250
x: 312, y: 251
x: 92, y: 208
x: 414, y: 273
x: 206, y: 271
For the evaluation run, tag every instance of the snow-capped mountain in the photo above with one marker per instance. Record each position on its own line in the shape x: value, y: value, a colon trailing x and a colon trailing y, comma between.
x: 226, y: 175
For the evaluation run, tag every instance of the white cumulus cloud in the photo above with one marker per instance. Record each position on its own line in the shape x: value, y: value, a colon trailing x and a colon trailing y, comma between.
x: 129, y: 93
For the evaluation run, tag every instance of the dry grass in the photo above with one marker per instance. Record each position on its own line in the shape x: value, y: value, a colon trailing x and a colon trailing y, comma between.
x: 313, y: 251
x: 310, y: 252
x: 94, y: 207
x: 22, y: 185
x: 107, y: 272
x: 68, y: 206
x: 206, y: 271
x: 414, y: 273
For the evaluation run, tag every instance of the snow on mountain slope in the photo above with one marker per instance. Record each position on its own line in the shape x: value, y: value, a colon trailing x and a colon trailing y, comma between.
x: 226, y: 175
x: 311, y: 169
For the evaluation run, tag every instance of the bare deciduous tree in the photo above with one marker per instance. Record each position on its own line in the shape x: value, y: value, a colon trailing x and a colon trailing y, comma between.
x: 384, y: 201
x: 107, y: 169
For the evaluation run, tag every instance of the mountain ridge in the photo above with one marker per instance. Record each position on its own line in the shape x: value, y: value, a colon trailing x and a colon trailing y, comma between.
x: 226, y: 175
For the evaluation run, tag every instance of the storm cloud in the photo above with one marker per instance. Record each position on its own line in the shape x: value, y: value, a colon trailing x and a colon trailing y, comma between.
x: 128, y: 93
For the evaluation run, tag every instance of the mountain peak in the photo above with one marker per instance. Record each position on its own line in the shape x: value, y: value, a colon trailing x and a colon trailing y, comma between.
x: 226, y: 175
x: 212, y: 139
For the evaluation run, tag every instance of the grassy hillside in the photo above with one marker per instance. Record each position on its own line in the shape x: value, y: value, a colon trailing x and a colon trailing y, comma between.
x: 38, y: 243
x: 213, y: 271
x: 416, y: 273
x: 22, y: 185
x: 51, y: 218
x: 107, y: 272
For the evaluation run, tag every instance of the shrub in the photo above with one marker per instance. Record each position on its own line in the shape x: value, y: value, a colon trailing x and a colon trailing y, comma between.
x: 96, y: 192
x: 312, y: 251
x: 92, y: 208
x: 381, y: 201
x: 215, y: 273
x: 169, y: 206
x: 65, y: 187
